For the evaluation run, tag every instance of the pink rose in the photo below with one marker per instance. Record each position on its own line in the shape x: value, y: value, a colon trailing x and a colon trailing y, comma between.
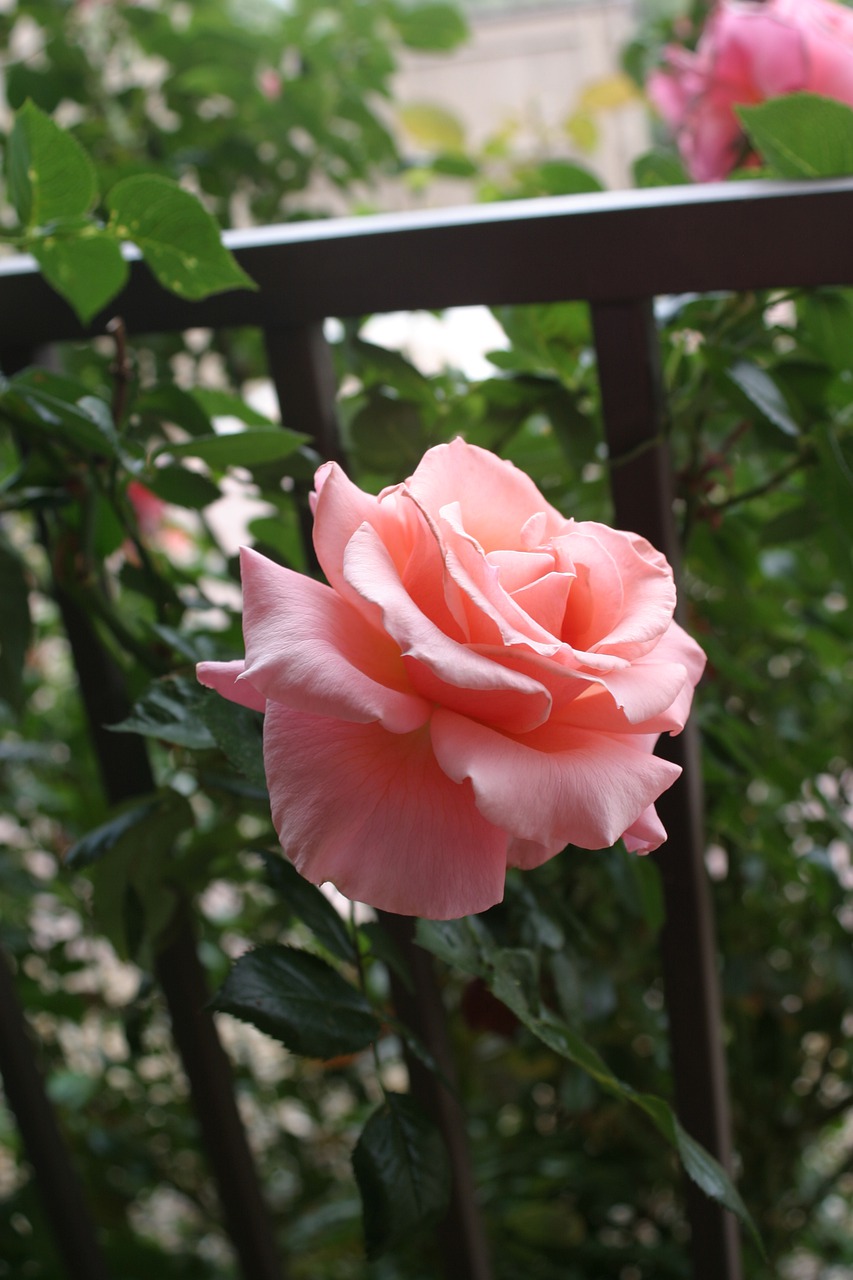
x: 749, y: 52
x: 149, y: 509
x: 482, y: 683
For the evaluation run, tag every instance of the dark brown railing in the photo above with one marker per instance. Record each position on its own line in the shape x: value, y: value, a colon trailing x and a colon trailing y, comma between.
x: 616, y: 252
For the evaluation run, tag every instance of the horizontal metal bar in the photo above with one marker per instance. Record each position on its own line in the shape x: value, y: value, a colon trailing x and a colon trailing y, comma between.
x: 602, y: 247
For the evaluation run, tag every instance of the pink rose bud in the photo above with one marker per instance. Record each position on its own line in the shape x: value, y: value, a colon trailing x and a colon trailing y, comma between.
x: 748, y: 52
x: 482, y: 682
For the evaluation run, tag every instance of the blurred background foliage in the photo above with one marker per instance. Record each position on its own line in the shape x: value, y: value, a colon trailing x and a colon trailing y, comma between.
x: 270, y: 113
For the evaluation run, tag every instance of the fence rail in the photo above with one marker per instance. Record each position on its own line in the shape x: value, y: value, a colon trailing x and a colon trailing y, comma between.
x: 599, y: 248
x: 616, y: 251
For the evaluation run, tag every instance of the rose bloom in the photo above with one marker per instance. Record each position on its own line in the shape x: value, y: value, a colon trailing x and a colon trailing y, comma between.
x: 482, y: 682
x: 748, y: 52
x: 149, y: 509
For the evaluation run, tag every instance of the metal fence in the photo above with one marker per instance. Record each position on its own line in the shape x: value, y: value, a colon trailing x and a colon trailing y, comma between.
x: 616, y: 251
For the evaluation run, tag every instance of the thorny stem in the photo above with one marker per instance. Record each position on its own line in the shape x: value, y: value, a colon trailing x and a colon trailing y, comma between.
x: 120, y: 369
x: 805, y: 457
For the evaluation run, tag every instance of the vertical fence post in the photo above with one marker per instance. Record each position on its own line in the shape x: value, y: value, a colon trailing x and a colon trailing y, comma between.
x: 300, y: 364
x: 126, y: 772
x: 627, y: 347
x: 58, y: 1185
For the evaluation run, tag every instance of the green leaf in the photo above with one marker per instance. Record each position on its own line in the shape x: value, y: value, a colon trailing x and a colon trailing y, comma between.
x: 802, y: 135
x: 432, y: 127
x: 153, y: 821
x: 223, y: 404
x: 87, y: 270
x: 238, y: 732
x: 178, y: 238
x: 238, y: 448
x: 430, y: 26
x: 166, y: 711
x: 402, y: 1172
x: 15, y: 626
x: 300, y: 1000
x: 61, y: 409
x: 463, y: 943
x: 511, y: 977
x: 563, y: 178
x: 134, y: 897
x: 310, y: 905
x: 168, y: 403
x: 826, y: 325
x: 182, y: 487
x: 763, y: 394
x: 699, y: 1165
x: 49, y: 175
x: 659, y: 169
x: 388, y: 434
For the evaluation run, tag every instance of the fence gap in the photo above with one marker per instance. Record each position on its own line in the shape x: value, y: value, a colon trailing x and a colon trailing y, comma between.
x: 628, y: 351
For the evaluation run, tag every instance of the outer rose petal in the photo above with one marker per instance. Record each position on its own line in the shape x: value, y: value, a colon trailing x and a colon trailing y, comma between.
x: 495, y: 497
x: 646, y: 834
x: 308, y: 648
x: 340, y: 508
x: 586, y: 792
x: 373, y: 813
x: 225, y: 678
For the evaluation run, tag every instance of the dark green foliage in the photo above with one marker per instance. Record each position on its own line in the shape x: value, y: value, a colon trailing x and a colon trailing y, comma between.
x: 300, y: 1000
x: 574, y: 1183
x: 402, y: 1173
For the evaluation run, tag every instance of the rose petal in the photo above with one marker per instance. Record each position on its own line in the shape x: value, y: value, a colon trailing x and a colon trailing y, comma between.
x: 496, y: 499
x: 492, y: 616
x: 636, y: 693
x: 340, y: 508
x: 527, y: 854
x: 580, y: 788
x: 646, y: 834
x: 438, y: 667
x: 373, y: 813
x: 625, y: 601
x: 308, y: 648
x: 226, y: 679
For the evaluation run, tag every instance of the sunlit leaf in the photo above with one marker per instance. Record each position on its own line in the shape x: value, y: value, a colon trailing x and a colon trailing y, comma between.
x: 432, y: 127
x: 178, y: 238
x: 87, y: 270
x: 430, y: 26
x: 49, y: 175
x: 802, y: 135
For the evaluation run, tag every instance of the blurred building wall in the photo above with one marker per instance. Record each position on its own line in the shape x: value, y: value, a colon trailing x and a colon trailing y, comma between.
x: 525, y: 72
